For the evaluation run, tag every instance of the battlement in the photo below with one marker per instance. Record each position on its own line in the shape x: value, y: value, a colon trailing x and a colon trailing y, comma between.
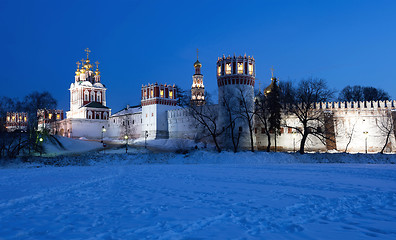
x: 158, y: 94
x: 387, y: 104
x: 219, y: 59
x: 236, y: 70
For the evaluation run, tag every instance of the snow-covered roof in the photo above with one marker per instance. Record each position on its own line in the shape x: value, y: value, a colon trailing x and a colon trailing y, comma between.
x: 98, y: 84
x: 128, y: 110
x: 86, y: 83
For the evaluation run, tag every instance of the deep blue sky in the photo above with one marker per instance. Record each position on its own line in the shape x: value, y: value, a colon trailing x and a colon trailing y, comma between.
x: 139, y: 42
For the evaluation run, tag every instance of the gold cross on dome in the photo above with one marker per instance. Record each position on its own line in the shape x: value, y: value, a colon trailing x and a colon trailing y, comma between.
x: 197, y: 53
x: 78, y: 64
x: 272, y: 71
x: 82, y: 61
x: 87, y: 51
x: 97, y: 64
x: 259, y: 84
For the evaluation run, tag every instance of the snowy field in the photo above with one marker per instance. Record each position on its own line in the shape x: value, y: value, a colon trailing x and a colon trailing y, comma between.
x: 200, y: 195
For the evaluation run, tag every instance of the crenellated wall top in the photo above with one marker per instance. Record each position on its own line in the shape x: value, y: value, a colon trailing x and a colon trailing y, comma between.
x: 386, y: 104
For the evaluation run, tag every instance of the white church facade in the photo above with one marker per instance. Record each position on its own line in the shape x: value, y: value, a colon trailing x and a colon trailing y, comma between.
x: 88, y: 114
x: 355, y: 126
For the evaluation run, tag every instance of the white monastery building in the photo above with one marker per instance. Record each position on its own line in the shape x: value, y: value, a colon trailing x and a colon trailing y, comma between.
x: 352, y: 126
x: 88, y: 113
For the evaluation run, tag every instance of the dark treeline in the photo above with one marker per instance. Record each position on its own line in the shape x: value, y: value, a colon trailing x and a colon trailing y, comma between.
x: 359, y: 93
x: 27, y: 140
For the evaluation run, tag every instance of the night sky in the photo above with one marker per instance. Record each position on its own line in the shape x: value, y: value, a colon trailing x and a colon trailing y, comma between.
x: 140, y: 42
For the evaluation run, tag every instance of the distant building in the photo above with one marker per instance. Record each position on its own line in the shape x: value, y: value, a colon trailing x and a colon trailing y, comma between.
x: 47, y: 119
x: 16, y: 121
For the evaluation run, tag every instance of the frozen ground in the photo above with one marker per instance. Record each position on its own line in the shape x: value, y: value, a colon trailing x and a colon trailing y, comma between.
x: 198, y: 196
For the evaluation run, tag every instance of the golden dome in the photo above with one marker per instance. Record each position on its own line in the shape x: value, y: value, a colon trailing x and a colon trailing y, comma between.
x: 268, y: 89
x: 197, y: 63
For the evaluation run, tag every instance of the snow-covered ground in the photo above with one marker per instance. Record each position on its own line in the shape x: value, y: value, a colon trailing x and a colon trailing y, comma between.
x: 200, y: 195
x: 69, y: 146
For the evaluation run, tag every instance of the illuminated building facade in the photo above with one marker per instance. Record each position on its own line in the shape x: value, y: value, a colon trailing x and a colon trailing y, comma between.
x: 197, y: 87
x: 16, y: 121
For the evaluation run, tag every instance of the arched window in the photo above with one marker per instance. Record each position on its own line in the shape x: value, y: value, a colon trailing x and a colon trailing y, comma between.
x: 89, y: 115
x: 99, y: 97
x: 105, y: 115
x: 86, y: 95
x: 92, y: 96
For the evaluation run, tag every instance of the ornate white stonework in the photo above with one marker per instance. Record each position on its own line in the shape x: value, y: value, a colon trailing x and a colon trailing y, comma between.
x: 88, y: 114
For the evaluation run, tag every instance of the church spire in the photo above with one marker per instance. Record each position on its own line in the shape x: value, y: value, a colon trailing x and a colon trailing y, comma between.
x: 197, y: 66
x: 197, y: 88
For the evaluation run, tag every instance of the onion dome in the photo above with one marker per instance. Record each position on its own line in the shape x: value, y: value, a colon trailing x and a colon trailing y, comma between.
x: 197, y: 64
x: 268, y: 89
x: 87, y: 65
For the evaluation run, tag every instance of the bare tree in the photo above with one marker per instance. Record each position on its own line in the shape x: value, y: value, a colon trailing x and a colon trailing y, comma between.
x: 350, y: 136
x: 312, y: 119
x: 207, y: 117
x: 386, y: 126
x: 246, y: 112
x: 359, y: 93
x: 183, y: 96
x: 262, y: 114
x: 35, y: 101
x: 231, y: 116
x: 11, y: 144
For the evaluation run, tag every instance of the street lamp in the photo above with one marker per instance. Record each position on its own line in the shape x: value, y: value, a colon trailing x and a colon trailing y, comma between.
x: 103, y: 131
x: 294, y: 141
x: 365, y: 133
x: 145, y: 139
x: 126, y: 143
x: 41, y: 142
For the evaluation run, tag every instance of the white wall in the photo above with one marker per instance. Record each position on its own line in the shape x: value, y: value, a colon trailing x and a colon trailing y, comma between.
x: 90, y: 129
x: 130, y: 124
x: 155, y: 120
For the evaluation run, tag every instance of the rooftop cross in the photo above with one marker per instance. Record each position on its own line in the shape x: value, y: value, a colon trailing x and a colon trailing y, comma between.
x: 259, y: 84
x: 78, y: 64
x: 87, y: 51
x: 97, y: 64
x: 272, y: 71
x: 197, y: 54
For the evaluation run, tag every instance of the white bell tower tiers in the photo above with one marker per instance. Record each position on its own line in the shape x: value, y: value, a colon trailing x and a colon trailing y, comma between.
x: 197, y: 88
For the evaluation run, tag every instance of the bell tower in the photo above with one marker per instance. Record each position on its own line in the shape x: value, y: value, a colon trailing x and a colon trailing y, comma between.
x: 197, y: 88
